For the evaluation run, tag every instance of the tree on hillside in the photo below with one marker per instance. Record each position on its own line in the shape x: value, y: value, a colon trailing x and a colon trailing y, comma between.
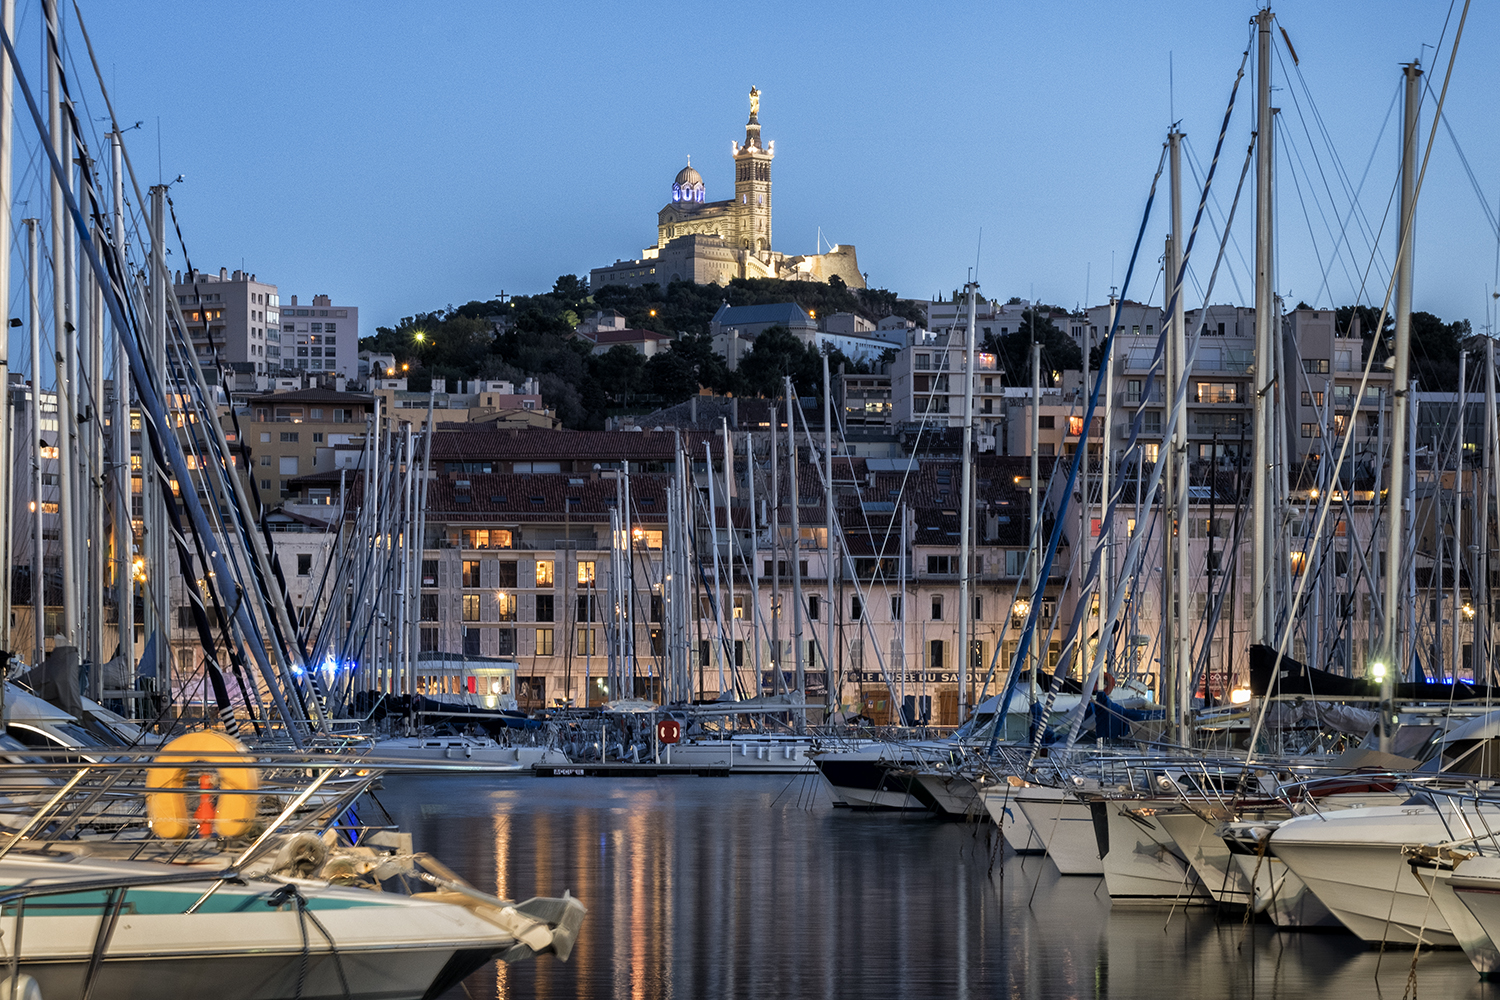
x: 619, y: 372
x: 1435, y: 347
x: 670, y: 375
x: 1059, y: 351
x: 775, y: 354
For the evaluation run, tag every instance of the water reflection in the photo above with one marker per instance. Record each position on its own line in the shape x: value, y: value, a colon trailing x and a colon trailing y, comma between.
x: 756, y: 887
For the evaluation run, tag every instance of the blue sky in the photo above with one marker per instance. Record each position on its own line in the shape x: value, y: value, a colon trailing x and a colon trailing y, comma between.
x: 402, y: 157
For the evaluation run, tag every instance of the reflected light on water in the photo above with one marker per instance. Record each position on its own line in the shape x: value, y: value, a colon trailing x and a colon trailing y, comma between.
x: 757, y: 888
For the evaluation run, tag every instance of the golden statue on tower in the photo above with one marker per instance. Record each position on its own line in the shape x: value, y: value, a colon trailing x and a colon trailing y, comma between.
x: 754, y: 102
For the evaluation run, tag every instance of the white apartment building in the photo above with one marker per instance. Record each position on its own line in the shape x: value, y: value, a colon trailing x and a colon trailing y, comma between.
x: 927, y: 386
x: 320, y: 337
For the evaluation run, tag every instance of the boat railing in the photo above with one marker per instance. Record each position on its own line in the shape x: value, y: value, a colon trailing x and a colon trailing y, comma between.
x: 1470, y: 816
x: 48, y: 799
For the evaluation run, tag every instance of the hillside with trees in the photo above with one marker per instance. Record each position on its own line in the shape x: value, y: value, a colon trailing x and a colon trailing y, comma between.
x: 532, y: 336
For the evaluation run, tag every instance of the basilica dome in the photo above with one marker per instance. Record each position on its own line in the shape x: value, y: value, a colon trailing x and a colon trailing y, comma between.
x: 688, y: 186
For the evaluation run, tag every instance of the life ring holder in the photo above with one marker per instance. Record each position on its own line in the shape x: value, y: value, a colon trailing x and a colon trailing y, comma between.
x: 167, y: 804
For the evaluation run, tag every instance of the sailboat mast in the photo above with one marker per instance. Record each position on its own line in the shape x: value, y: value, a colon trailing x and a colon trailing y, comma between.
x: 729, y: 554
x: 830, y: 696
x: 120, y: 417
x: 965, y: 480
x: 62, y: 335
x: 34, y: 448
x: 1035, y: 556
x: 1182, y: 634
x: 1400, y: 408
x: 1458, y: 507
x: 796, y: 563
x: 1482, y: 622
x: 777, y: 656
x: 7, y: 467
x: 1265, y: 374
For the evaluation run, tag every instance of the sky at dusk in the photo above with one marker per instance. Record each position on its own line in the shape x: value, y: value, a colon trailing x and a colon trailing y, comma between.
x: 401, y: 157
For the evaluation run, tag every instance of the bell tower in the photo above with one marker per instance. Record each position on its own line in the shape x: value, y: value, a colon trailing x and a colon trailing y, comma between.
x: 752, y: 185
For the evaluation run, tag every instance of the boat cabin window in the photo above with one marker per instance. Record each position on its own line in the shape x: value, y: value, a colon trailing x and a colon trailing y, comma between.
x: 1476, y: 757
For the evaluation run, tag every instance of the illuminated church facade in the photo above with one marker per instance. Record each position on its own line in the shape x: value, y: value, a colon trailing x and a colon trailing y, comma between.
x: 711, y: 242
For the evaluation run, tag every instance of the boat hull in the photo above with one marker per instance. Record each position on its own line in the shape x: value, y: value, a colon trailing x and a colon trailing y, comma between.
x: 1352, y: 861
x: 1471, y: 934
x: 1141, y: 860
x: 1000, y: 803
x: 1065, y: 826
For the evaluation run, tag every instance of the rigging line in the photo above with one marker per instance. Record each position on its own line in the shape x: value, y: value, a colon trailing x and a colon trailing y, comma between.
x: 1214, y: 220
x: 1029, y: 629
x: 1311, y: 234
x: 1489, y: 213
x: 1133, y: 551
x: 1327, y: 137
x: 1376, y: 252
x: 224, y: 464
x: 1313, y: 148
x: 166, y: 449
x: 1326, y: 501
x: 1285, y: 132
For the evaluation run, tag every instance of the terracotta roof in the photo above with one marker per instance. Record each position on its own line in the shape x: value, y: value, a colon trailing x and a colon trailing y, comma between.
x: 525, y: 444
x: 520, y: 498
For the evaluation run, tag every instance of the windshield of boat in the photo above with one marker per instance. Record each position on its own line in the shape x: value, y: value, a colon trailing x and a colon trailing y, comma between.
x: 978, y: 726
x: 57, y: 735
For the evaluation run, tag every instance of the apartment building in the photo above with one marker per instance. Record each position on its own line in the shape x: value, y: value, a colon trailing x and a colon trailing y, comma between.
x: 1327, y: 363
x: 927, y: 387
x: 232, y: 317
x: 320, y: 336
x: 292, y: 434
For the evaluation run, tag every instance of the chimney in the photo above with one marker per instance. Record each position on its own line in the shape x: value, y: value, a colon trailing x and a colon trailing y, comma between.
x: 734, y: 412
x: 294, y: 300
x: 439, y: 385
x: 223, y: 274
x: 693, y: 411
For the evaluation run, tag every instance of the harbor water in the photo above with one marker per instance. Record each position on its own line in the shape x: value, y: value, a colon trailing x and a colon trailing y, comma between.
x: 757, y: 887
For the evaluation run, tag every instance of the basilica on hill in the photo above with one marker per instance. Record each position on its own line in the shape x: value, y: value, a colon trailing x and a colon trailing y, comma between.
x: 710, y: 242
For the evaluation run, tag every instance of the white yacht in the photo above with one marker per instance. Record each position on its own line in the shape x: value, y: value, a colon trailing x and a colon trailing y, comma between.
x: 479, y: 750
x: 116, y: 930
x: 1352, y: 860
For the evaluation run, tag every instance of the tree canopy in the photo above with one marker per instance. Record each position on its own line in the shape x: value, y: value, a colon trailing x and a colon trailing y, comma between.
x: 1059, y: 351
x: 532, y: 336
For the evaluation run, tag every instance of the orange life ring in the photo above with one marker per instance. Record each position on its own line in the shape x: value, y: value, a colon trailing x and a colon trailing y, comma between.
x: 167, y: 805
x: 1109, y: 683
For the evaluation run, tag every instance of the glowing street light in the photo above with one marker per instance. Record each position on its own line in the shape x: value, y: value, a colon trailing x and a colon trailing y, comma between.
x: 1377, y: 671
x: 1239, y: 696
x: 1021, y: 608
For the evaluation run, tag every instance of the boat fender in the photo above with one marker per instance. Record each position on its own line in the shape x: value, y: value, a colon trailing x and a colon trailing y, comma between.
x: 1109, y: 683
x: 167, y: 805
x: 301, y: 856
x: 23, y: 987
